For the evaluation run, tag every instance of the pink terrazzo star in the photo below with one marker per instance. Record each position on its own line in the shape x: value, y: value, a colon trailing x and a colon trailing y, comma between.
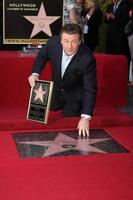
x: 41, y: 22
x: 39, y: 93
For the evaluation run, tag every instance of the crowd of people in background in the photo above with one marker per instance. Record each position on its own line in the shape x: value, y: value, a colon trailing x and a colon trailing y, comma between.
x: 88, y: 14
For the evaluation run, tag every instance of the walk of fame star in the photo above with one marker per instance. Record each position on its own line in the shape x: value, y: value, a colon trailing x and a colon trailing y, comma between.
x: 62, y: 143
x: 66, y: 143
x: 41, y: 22
x: 39, y: 93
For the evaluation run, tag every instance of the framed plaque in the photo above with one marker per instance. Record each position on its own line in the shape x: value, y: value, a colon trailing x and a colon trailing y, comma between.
x: 39, y: 101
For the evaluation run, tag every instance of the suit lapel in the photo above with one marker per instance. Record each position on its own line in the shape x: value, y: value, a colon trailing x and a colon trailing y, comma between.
x: 59, y: 60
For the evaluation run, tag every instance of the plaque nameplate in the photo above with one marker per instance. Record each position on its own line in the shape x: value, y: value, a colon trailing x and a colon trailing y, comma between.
x: 39, y: 101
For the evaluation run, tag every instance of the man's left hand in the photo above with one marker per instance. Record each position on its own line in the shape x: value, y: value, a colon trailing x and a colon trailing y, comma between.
x: 83, y: 127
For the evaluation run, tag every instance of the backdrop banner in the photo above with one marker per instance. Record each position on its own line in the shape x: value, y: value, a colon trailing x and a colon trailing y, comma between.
x: 31, y: 21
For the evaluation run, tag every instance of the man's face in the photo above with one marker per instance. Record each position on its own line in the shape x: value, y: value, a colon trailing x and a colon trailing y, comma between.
x: 70, y: 43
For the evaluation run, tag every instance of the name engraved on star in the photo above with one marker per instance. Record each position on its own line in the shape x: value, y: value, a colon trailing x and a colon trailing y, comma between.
x: 39, y: 101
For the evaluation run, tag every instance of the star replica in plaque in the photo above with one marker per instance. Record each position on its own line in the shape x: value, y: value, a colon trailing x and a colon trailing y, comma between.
x: 39, y: 102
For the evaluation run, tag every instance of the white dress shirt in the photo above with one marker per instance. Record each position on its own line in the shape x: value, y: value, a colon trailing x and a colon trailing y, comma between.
x: 116, y: 5
x: 65, y: 62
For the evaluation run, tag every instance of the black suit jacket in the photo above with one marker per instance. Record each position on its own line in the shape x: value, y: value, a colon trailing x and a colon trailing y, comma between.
x: 76, y: 91
x: 91, y: 39
x: 116, y: 40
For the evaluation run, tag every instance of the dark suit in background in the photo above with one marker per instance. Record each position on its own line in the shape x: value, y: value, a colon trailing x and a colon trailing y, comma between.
x: 75, y: 93
x: 91, y: 38
x: 116, y: 40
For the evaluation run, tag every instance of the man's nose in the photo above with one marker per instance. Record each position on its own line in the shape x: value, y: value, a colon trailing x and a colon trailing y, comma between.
x: 70, y: 45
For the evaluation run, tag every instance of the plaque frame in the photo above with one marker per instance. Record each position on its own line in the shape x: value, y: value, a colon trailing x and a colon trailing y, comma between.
x: 39, y: 101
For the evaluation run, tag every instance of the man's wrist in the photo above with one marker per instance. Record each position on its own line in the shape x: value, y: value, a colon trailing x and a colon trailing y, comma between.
x: 86, y: 116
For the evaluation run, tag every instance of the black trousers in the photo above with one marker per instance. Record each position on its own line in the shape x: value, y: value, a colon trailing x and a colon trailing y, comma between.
x: 70, y: 107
